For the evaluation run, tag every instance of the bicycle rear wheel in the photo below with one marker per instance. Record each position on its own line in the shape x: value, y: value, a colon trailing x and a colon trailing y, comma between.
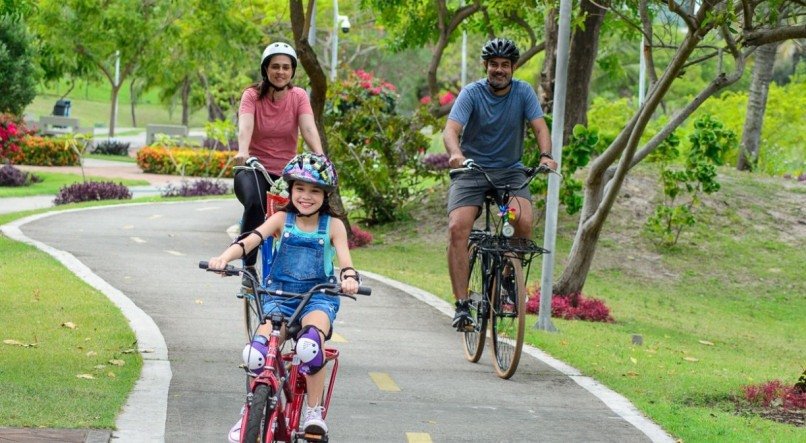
x: 508, y: 316
x: 474, y: 340
x: 258, y: 422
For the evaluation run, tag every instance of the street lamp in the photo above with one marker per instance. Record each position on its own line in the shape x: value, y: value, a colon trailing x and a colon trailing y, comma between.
x: 339, y: 21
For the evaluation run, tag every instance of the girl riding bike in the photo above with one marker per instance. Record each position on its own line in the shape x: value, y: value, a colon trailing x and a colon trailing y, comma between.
x: 308, y: 237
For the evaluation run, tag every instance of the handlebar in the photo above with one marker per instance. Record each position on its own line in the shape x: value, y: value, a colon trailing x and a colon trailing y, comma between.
x: 470, y: 165
x: 253, y: 164
x: 325, y: 288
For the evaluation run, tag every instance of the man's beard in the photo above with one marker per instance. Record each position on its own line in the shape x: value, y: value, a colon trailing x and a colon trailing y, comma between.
x: 499, y: 82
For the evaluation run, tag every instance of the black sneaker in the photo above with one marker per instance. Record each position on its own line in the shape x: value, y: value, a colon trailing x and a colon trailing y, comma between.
x: 462, y: 320
x: 246, y: 282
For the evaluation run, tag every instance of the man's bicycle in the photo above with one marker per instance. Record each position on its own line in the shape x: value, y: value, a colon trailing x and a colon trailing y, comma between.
x: 274, y: 201
x: 275, y: 396
x: 496, y: 283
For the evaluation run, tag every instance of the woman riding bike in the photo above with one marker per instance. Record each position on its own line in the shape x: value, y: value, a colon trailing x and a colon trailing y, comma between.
x: 272, y: 114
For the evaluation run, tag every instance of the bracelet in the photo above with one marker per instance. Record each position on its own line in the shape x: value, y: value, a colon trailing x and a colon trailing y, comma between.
x: 546, y: 155
x: 356, y: 276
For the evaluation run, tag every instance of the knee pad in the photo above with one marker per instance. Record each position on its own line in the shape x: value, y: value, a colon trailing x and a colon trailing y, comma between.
x: 254, y: 354
x: 309, y: 350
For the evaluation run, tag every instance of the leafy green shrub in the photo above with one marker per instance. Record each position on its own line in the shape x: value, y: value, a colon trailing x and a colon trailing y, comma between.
x: 377, y: 150
x: 91, y: 191
x: 11, y: 176
x: 196, y: 188
x: 112, y: 147
x: 18, y: 75
x: 681, y: 187
x: 194, y: 162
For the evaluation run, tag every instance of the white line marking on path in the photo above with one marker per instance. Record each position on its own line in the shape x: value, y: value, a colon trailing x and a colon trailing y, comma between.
x: 176, y: 253
x: 613, y: 400
x: 137, y: 239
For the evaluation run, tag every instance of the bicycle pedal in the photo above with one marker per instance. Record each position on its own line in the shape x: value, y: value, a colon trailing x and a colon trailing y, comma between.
x: 315, y: 437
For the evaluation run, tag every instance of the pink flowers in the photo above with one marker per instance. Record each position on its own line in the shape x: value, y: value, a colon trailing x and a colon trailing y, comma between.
x: 9, y: 137
x: 571, y: 307
x: 445, y: 98
x: 372, y: 85
x: 775, y: 393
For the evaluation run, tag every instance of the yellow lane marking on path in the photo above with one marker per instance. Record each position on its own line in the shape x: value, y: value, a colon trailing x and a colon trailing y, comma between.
x: 384, y: 381
x: 155, y: 216
x: 137, y: 239
x: 176, y: 253
x: 418, y: 437
x: 336, y: 338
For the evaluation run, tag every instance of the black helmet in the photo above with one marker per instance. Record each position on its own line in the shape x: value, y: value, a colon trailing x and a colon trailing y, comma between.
x: 500, y: 47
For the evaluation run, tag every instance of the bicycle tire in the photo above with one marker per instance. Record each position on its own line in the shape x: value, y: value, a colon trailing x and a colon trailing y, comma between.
x: 507, y: 324
x: 257, y: 423
x: 474, y: 340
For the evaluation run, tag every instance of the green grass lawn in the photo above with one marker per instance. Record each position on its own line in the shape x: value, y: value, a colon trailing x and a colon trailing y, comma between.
x: 53, y: 181
x: 721, y: 310
x: 68, y: 356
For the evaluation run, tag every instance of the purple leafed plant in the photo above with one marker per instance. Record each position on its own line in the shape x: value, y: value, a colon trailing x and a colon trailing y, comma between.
x: 11, y: 176
x: 571, y: 307
x: 436, y: 162
x: 360, y: 237
x: 196, y: 188
x: 89, y: 191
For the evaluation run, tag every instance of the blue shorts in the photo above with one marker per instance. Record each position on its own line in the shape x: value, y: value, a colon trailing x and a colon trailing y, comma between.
x: 286, y: 306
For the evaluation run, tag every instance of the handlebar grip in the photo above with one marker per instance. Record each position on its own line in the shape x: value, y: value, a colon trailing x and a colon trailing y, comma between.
x: 364, y: 290
x: 228, y: 270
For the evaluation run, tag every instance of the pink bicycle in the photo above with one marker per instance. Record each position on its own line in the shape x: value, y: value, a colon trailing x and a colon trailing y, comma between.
x: 275, y: 397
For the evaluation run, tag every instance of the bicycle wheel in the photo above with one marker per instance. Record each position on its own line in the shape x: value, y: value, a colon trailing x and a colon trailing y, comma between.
x: 257, y: 423
x: 474, y: 340
x: 508, y: 316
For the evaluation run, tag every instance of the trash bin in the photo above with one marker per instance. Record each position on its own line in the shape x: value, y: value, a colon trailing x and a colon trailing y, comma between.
x: 62, y: 108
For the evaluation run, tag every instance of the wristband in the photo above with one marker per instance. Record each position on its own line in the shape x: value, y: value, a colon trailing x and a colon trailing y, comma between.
x: 546, y: 155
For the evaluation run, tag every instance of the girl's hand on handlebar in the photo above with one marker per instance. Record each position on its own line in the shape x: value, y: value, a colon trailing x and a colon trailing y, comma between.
x: 217, y: 263
x: 349, y: 286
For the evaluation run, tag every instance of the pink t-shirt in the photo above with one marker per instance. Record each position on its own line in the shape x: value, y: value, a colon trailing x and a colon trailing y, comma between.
x: 274, y: 139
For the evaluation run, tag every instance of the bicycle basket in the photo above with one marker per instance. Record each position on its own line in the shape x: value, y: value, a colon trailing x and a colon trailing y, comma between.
x: 274, y: 202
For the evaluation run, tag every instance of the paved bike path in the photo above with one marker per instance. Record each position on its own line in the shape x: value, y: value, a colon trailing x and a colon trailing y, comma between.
x: 403, y: 376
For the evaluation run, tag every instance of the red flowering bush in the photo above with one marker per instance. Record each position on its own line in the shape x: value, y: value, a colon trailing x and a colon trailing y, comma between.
x: 570, y: 307
x: 444, y: 98
x: 775, y: 394
x: 10, y: 135
x: 360, y: 237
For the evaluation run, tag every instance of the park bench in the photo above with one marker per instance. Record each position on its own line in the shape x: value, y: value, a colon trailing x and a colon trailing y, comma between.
x: 56, y: 125
x: 173, y: 131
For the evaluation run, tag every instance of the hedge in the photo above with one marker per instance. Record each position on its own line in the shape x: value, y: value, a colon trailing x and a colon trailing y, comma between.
x: 194, y: 162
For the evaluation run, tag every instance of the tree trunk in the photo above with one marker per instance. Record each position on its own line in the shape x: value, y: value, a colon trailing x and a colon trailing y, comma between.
x: 309, y: 61
x: 185, y: 101
x: 546, y: 86
x: 584, y: 47
x: 133, y: 94
x: 756, y: 106
x: 114, y: 113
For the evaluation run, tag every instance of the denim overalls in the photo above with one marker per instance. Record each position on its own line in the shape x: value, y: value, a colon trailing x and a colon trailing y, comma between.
x: 303, y: 260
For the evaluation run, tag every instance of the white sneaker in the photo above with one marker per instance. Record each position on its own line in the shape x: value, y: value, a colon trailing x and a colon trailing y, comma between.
x: 314, y: 423
x: 235, y: 430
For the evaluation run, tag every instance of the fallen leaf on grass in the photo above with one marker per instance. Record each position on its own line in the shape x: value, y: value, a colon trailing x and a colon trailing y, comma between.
x: 691, y: 359
x: 111, y: 374
x: 69, y: 324
x: 86, y: 376
x: 117, y: 362
x: 91, y: 354
x: 99, y: 367
x: 634, y: 360
x: 632, y: 374
x: 706, y: 342
x: 128, y: 351
x: 19, y: 343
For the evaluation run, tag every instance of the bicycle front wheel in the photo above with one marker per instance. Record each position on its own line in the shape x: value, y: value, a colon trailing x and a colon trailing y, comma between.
x: 474, y: 340
x: 508, y: 316
x: 258, y: 422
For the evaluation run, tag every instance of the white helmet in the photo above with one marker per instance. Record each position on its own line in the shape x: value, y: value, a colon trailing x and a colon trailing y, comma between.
x: 275, y: 49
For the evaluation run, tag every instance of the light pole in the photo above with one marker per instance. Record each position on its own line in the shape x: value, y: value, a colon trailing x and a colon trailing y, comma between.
x: 339, y: 21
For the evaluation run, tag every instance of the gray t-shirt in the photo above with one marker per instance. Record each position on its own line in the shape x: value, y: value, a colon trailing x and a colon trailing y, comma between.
x: 494, y: 126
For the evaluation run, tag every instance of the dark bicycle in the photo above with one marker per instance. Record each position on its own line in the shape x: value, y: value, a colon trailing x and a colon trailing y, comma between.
x: 496, y: 283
